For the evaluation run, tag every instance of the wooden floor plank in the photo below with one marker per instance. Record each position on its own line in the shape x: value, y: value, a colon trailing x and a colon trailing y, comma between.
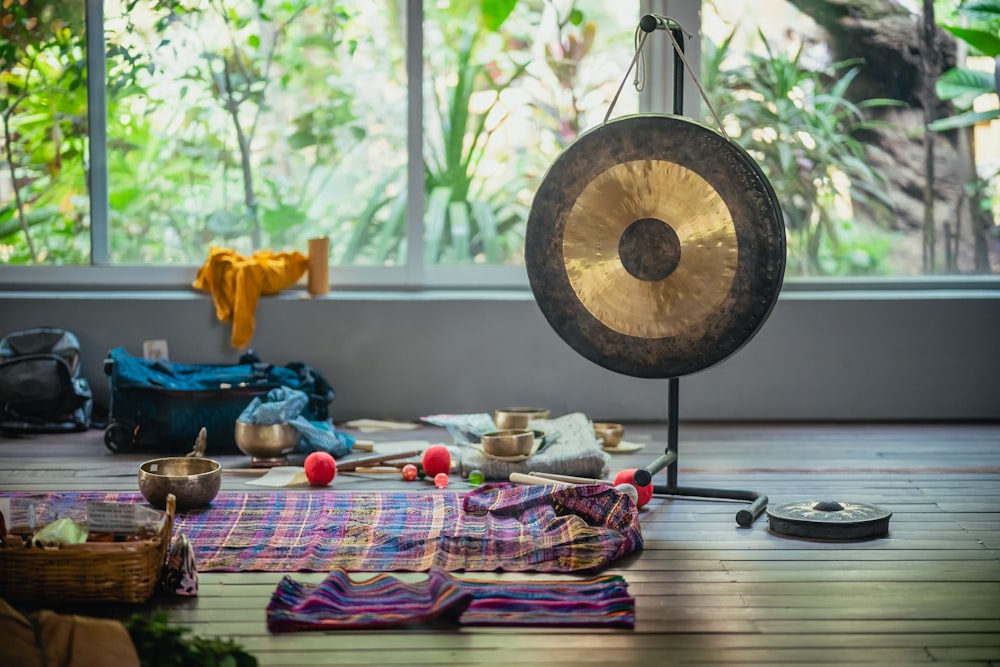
x: 708, y: 592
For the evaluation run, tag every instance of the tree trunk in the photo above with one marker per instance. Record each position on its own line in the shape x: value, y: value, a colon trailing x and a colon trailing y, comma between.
x: 892, y: 44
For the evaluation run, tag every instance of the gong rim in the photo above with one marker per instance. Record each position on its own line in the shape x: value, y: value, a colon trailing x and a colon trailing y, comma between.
x: 689, y: 316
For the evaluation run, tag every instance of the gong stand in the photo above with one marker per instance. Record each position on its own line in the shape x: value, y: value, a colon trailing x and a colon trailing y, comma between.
x: 655, y: 247
x: 669, y: 460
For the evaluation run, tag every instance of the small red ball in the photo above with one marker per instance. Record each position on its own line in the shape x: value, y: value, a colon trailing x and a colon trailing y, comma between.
x: 436, y: 459
x: 409, y: 472
x: 320, y: 468
x: 441, y: 480
x: 627, y: 476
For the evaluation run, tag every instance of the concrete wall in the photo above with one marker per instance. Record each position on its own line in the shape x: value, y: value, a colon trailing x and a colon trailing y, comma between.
x: 820, y: 356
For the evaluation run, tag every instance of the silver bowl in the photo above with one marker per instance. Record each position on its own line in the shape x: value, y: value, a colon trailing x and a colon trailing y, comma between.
x: 508, y: 442
x: 193, y: 480
x: 267, y: 442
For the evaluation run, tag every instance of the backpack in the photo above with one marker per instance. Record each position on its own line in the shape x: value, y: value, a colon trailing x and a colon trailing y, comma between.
x: 41, y: 390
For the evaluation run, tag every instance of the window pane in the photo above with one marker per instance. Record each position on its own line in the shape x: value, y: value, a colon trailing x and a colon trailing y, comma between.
x: 837, y: 125
x: 44, y: 203
x: 255, y: 124
x: 501, y: 104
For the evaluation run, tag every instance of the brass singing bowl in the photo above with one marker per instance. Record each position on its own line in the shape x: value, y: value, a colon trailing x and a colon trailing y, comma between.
x: 610, y: 433
x: 518, y: 418
x: 267, y: 441
x: 508, y: 442
x: 194, y: 481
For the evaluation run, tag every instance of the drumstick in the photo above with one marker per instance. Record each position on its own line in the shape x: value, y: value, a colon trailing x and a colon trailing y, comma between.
x: 366, y: 461
x: 521, y: 478
x: 569, y: 479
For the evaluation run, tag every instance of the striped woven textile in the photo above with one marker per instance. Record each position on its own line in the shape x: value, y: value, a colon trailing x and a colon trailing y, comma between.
x: 383, y: 601
x: 494, y: 527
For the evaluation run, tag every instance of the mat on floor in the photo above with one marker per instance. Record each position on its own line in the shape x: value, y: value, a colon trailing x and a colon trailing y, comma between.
x: 494, y: 527
x: 383, y: 601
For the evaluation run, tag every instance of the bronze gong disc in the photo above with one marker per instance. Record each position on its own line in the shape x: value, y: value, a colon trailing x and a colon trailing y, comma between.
x: 655, y: 246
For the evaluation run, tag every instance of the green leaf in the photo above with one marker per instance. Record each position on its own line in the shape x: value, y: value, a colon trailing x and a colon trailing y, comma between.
x: 254, y: 41
x: 985, y: 41
x: 980, y: 10
x: 495, y: 12
x: 301, y: 139
x: 963, y: 86
x: 435, y: 223
x: 966, y: 119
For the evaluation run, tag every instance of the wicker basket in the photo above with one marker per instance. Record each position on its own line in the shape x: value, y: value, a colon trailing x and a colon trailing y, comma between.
x: 92, y: 572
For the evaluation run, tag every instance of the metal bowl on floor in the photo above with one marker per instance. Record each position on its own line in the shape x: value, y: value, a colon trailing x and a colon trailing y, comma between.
x: 508, y: 442
x: 610, y: 433
x: 193, y: 480
x: 267, y: 443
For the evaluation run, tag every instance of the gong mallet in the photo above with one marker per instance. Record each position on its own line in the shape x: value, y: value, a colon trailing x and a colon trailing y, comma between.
x: 370, y: 461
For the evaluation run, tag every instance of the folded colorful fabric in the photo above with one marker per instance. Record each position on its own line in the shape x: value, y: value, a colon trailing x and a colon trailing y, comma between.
x: 383, y: 601
x: 494, y: 527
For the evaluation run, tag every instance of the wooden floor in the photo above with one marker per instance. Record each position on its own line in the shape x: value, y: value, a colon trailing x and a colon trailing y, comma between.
x: 708, y: 591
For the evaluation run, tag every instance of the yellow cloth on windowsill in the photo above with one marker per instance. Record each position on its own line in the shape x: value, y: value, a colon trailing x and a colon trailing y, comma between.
x: 236, y: 284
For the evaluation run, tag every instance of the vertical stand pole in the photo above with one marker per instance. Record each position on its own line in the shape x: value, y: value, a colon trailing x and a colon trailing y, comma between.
x: 673, y: 417
x: 643, y: 476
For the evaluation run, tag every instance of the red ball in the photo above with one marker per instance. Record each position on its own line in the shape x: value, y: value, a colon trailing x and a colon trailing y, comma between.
x: 409, y: 472
x: 320, y: 468
x: 627, y: 476
x: 436, y: 459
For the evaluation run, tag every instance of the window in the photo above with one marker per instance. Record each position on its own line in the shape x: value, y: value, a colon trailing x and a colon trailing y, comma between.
x: 414, y: 139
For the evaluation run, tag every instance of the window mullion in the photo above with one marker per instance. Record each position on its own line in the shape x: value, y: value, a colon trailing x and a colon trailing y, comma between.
x: 97, y: 122
x: 415, y: 269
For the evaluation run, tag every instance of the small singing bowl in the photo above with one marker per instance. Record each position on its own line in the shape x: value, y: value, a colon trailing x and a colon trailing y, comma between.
x: 267, y: 441
x: 611, y: 434
x: 193, y: 480
x: 508, y: 442
x: 518, y: 418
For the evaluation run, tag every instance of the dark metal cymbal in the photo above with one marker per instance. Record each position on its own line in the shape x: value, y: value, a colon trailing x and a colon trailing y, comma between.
x: 829, y: 519
x: 655, y: 246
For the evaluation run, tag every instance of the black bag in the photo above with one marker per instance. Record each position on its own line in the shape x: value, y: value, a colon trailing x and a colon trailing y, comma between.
x: 162, y: 405
x: 41, y: 390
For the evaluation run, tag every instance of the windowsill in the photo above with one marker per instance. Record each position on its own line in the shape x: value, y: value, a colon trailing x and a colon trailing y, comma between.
x: 505, y: 283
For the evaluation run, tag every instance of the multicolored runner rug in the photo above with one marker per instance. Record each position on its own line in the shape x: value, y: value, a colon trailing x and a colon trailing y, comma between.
x: 383, y: 601
x: 494, y: 527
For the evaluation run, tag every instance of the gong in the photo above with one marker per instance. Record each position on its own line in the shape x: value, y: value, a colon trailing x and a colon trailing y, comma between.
x: 829, y: 519
x: 655, y: 246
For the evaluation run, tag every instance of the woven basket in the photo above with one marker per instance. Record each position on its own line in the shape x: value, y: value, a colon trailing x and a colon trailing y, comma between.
x: 92, y: 572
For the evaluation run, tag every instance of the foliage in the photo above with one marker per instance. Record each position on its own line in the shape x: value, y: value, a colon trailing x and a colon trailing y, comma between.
x: 161, y: 644
x: 43, y: 113
x: 961, y: 85
x: 461, y: 219
x: 804, y: 132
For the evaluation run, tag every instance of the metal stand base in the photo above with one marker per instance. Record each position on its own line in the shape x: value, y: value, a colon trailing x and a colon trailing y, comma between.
x: 643, y: 476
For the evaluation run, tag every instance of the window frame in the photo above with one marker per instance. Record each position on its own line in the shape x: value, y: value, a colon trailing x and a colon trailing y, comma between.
x: 415, y: 274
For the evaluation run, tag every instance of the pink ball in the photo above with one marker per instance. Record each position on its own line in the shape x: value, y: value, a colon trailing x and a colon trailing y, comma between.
x: 441, y: 480
x: 409, y: 472
x: 627, y: 476
x: 436, y: 459
x: 320, y: 468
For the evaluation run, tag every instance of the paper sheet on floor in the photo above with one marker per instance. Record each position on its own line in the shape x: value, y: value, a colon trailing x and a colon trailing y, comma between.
x: 280, y: 476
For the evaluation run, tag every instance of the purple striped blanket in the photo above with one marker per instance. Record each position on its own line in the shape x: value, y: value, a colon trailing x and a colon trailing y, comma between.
x: 383, y: 601
x: 494, y: 527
